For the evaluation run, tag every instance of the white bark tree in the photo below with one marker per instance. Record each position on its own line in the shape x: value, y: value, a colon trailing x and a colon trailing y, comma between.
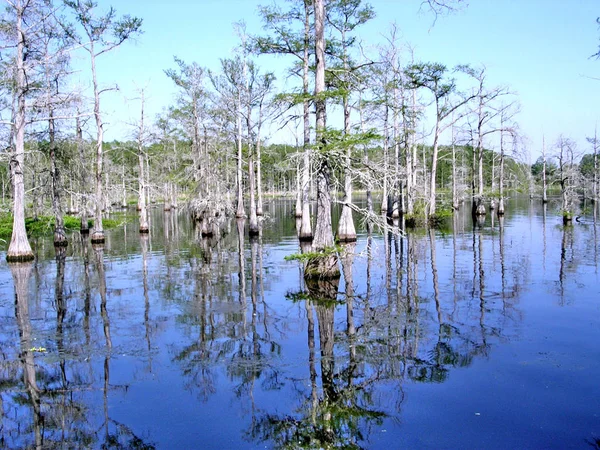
x: 21, y: 28
x: 101, y: 34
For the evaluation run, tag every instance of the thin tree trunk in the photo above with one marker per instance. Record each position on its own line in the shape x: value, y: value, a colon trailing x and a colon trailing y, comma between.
x: 432, y: 184
x: 454, y: 193
x: 544, y: 186
x: 480, y: 208
x: 83, y: 217
x: 98, y: 234
x: 595, y: 188
x: 366, y: 163
x: 346, y: 231
x: 259, y: 195
x: 395, y: 188
x: 123, y: 188
x: 298, y: 209
x: 501, y: 178
x: 60, y: 238
x: 384, y: 195
x: 144, y: 227
x: 240, y: 197
x: 306, y: 233
x: 253, y: 229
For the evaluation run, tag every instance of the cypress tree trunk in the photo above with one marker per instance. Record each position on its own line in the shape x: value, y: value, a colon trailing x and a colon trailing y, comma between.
x: 384, y: 199
x: 259, y: 196
x: 454, y: 193
x: 325, y: 265
x: 84, y: 228
x: 98, y: 234
x: 298, y: 208
x: 500, y: 211
x: 253, y: 222
x: 480, y: 207
x: 19, y: 248
x: 544, y: 186
x: 144, y: 228
x: 240, y: 192
x: 346, y: 231
x: 60, y: 238
x: 306, y: 233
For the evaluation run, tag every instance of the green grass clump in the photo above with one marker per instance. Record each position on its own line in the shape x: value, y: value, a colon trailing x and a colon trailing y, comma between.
x: 108, y: 224
x: 72, y: 223
x: 415, y: 220
x: 44, y: 225
x: 6, y: 221
x: 310, y: 256
x: 440, y: 220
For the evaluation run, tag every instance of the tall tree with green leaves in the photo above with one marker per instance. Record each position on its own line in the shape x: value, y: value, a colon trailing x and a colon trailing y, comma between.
x: 289, y: 33
x: 325, y: 264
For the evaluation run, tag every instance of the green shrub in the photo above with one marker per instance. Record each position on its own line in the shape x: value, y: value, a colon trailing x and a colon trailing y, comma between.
x: 44, y: 225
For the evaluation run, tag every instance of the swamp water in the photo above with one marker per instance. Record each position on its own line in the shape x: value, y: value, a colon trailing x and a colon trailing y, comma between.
x: 485, y: 337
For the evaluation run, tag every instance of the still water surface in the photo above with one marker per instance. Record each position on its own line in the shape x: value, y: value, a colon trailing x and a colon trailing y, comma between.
x: 476, y: 337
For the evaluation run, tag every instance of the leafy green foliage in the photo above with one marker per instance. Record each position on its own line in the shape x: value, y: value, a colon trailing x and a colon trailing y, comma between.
x: 586, y: 166
x: 44, y: 225
x: 311, y: 256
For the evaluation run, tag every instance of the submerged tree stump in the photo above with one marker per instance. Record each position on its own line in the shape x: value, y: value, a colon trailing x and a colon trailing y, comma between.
x: 60, y: 237
x: 479, y: 208
x: 322, y: 267
x: 500, y: 210
x: 98, y: 237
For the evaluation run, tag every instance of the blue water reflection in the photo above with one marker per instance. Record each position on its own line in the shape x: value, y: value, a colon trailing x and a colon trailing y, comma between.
x: 485, y: 336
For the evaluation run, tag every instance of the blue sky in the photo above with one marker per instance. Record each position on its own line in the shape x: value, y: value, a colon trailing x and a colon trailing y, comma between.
x: 540, y: 49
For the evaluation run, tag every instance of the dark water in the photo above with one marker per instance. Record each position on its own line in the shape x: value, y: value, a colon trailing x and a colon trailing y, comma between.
x: 486, y: 337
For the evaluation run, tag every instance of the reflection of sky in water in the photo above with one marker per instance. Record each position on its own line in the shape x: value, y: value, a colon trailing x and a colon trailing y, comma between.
x: 488, y: 339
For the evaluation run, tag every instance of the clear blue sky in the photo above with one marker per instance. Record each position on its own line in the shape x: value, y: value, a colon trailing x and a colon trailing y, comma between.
x: 540, y: 49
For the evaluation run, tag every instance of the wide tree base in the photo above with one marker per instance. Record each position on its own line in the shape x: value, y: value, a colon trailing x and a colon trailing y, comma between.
x: 98, y: 237
x: 19, y: 257
x: 500, y: 207
x: 346, y: 230
x: 478, y: 208
x: 322, y: 267
x: 60, y: 238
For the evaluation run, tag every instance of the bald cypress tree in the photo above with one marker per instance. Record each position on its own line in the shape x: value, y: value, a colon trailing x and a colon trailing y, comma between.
x: 101, y: 34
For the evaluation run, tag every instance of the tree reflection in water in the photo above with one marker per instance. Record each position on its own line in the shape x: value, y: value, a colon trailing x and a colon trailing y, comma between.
x: 333, y: 365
